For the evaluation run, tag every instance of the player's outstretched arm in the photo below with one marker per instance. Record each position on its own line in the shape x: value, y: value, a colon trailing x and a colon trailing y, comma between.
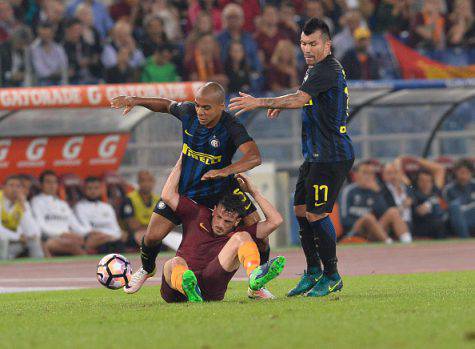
x: 273, y: 219
x: 159, y: 105
x: 437, y: 170
x: 247, y: 102
x: 170, y: 193
x: 250, y: 159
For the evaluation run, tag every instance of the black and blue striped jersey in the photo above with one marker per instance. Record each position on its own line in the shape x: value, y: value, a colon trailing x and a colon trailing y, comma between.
x: 324, y: 117
x: 206, y: 149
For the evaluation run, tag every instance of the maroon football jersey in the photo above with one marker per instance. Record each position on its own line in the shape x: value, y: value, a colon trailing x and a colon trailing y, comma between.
x: 200, y: 245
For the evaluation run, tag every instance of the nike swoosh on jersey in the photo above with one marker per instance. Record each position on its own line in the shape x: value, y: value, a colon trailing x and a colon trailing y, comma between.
x: 188, y: 133
x: 323, y: 203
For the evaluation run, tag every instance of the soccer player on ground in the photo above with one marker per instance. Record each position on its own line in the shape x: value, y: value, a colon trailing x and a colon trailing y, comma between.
x: 211, y: 137
x: 327, y: 149
x: 214, y: 246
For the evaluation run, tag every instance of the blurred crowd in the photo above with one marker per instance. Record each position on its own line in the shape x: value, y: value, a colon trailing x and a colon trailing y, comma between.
x: 249, y: 45
x: 51, y: 216
x: 409, y: 198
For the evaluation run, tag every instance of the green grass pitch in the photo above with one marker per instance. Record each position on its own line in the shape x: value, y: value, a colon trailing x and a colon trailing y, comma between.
x: 433, y: 310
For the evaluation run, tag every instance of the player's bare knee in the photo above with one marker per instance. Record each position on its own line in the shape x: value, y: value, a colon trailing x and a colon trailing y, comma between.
x: 241, y: 237
x: 167, y: 270
x: 369, y: 218
x: 172, y: 263
x: 392, y: 212
x: 177, y: 261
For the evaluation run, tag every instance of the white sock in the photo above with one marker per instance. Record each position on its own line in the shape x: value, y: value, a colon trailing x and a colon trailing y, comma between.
x: 406, y: 238
x: 388, y: 241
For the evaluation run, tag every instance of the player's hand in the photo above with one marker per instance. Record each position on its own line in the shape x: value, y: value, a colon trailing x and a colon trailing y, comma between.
x: 125, y: 102
x: 243, y: 103
x: 245, y: 183
x: 273, y: 113
x: 215, y: 174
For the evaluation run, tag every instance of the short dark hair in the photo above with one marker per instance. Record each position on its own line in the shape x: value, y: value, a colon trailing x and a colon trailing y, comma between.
x: 314, y: 24
x: 362, y: 163
x: 71, y: 22
x: 424, y: 171
x: 25, y: 176
x: 92, y: 179
x: 233, y: 203
x: 464, y: 163
x: 46, y: 173
x: 45, y: 24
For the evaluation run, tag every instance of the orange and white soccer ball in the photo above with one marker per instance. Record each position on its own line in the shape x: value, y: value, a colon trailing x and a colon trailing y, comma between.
x: 114, y: 271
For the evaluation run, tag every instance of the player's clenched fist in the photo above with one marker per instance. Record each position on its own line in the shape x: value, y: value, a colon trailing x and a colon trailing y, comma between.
x: 125, y: 102
x: 245, y: 183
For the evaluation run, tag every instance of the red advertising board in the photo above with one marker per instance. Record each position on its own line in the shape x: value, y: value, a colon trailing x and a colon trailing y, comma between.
x: 89, y: 155
x: 90, y: 96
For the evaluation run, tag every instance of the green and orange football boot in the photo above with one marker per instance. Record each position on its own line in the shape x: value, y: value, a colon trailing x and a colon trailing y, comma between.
x: 191, y: 288
x: 266, y: 272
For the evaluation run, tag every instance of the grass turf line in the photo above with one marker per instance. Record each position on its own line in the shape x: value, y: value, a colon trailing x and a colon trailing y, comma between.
x: 435, y: 310
x: 281, y: 250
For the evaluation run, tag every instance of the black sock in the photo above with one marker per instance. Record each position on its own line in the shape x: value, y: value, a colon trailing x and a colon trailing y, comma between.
x: 325, y: 231
x: 309, y: 246
x: 265, y: 255
x: 148, y: 255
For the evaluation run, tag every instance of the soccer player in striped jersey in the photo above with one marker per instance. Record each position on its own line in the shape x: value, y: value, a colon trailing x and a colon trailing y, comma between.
x: 211, y: 137
x: 327, y: 150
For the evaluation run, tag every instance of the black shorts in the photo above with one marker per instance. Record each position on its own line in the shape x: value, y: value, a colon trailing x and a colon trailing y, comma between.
x: 319, y: 183
x: 163, y: 210
x: 213, y: 282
